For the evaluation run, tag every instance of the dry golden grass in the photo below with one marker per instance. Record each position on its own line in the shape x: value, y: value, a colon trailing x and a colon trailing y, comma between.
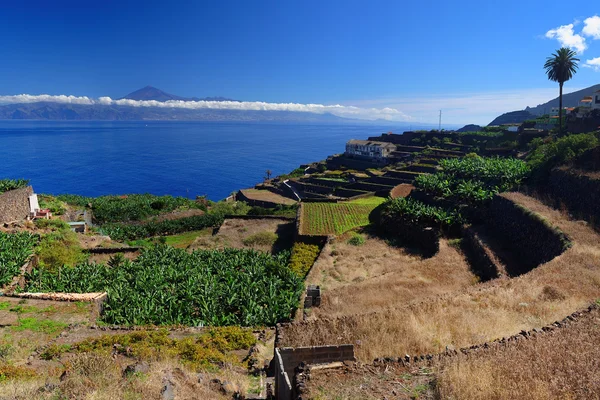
x: 562, y: 364
x: 375, y: 275
x: 266, y: 195
x: 475, y: 314
x: 233, y: 232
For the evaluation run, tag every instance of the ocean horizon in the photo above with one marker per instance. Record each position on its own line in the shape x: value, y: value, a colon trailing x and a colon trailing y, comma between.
x: 179, y: 158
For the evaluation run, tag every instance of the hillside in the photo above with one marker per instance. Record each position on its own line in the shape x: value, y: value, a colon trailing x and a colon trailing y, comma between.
x: 152, y: 93
x: 569, y: 100
x: 98, y: 112
x: 513, y: 117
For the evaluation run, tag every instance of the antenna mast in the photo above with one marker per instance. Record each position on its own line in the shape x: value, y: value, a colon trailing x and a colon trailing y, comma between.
x: 440, y: 126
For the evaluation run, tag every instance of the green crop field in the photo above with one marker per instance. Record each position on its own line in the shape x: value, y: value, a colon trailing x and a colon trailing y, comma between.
x: 14, y: 251
x: 168, y: 286
x: 321, y: 219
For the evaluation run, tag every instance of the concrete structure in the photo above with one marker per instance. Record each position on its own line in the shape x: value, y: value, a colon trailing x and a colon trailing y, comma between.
x: 287, y: 359
x: 369, y: 149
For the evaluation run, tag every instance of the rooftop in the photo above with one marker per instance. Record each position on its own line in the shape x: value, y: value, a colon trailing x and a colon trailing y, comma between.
x: 371, y: 143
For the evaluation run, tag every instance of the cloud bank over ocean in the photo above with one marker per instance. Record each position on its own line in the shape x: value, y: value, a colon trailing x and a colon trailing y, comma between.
x: 390, y: 114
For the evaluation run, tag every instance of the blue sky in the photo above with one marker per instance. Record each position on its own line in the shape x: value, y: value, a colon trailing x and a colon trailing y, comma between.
x: 472, y: 59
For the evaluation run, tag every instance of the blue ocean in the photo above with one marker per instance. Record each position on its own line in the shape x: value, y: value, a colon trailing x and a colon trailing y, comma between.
x: 176, y: 158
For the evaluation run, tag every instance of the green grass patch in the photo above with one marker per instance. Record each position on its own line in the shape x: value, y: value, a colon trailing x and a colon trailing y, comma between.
x: 322, y: 219
x: 37, y: 325
x: 373, y: 200
x: 356, y: 240
x: 261, y: 239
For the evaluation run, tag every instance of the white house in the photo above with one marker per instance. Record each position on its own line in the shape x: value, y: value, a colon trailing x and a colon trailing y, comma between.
x: 586, y: 102
x: 370, y: 149
x: 596, y: 101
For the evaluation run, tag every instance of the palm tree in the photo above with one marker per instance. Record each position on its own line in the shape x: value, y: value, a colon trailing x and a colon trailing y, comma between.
x: 560, y: 68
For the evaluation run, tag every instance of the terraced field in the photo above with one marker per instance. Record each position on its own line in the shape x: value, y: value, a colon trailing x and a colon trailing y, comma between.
x: 322, y: 219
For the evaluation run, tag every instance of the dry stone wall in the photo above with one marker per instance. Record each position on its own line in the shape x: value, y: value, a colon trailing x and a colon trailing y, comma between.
x: 531, y: 238
x: 580, y: 193
x: 14, y: 204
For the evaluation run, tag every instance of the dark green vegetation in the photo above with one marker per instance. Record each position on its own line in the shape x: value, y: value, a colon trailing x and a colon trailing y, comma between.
x: 59, y: 248
x: 133, y: 207
x: 280, y: 210
x: 15, y: 248
x: 472, y: 179
x: 56, y: 206
x: 415, y: 212
x: 122, y: 232
x: 560, y: 68
x: 166, y: 286
x: 549, y: 153
x: 11, y: 184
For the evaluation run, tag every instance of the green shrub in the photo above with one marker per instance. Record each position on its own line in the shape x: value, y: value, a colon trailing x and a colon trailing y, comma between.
x: 414, y: 211
x: 59, y: 248
x: 474, y: 178
x: 261, y: 239
x: 202, y: 352
x: 56, y: 207
x: 132, y: 207
x: 303, y: 257
x: 560, y: 151
x: 123, y: 232
x: 356, y: 240
x: 54, y: 224
x: 230, y: 208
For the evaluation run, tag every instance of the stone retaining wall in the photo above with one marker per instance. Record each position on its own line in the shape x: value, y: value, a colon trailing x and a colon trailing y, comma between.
x: 531, y: 238
x: 579, y: 192
x: 482, y: 260
x: 14, y: 204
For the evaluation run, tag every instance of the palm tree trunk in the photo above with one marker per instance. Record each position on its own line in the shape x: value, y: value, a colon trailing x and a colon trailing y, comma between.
x: 560, y: 109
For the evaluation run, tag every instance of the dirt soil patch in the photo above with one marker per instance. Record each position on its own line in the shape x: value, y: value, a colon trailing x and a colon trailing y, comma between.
x: 377, y: 275
x: 268, y: 196
x: 269, y: 235
x: 402, y: 190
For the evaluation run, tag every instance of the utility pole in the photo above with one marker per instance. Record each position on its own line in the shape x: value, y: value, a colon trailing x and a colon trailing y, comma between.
x: 440, y: 126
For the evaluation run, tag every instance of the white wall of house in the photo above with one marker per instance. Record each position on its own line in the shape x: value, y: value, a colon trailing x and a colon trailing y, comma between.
x: 596, y: 101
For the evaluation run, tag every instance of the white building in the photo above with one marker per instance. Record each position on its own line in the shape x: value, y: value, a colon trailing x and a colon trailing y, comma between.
x: 369, y: 149
x: 596, y: 102
x: 586, y: 102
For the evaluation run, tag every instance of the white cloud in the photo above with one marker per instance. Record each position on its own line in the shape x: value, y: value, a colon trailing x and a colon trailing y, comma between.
x: 348, y: 111
x: 593, y: 63
x: 27, y: 98
x: 592, y: 27
x: 478, y: 108
x: 568, y: 38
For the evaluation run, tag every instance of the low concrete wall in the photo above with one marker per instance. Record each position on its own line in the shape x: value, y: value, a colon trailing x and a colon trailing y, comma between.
x: 283, y: 386
x: 14, y: 204
x: 288, y: 359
